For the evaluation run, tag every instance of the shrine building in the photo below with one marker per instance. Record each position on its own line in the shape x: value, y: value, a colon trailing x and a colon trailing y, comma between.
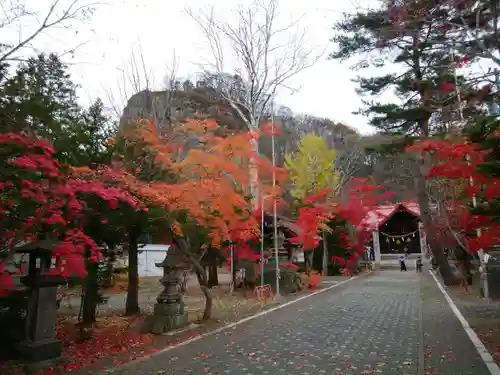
x: 396, y: 230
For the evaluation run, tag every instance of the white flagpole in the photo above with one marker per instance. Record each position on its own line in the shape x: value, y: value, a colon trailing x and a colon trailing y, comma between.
x: 275, y: 216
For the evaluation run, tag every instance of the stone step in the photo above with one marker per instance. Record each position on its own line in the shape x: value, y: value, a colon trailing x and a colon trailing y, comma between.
x: 395, y: 267
x: 394, y: 264
x: 396, y: 256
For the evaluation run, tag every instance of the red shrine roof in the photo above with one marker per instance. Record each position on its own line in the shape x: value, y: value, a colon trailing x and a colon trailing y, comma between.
x: 381, y: 214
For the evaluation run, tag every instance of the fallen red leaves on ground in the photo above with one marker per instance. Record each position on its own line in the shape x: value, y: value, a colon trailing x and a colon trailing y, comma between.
x: 113, y: 342
x: 110, y: 337
x: 490, y: 337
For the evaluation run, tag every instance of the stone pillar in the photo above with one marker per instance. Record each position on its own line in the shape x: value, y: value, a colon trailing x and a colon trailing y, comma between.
x: 41, y: 344
x: 424, y: 250
x: 376, y: 248
x: 41, y: 348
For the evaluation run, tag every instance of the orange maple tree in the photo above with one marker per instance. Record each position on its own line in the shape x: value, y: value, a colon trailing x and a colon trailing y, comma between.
x: 210, y: 180
x: 206, y: 184
x: 207, y: 190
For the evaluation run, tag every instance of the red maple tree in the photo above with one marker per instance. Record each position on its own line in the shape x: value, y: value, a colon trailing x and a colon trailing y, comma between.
x: 319, y: 211
x: 312, y: 218
x: 458, y: 163
x: 39, y: 201
x: 363, y: 197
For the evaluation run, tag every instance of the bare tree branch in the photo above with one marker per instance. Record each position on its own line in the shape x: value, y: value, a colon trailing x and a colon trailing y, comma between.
x: 349, y: 162
x: 134, y: 97
x: 267, y: 55
x: 59, y: 14
x: 170, y: 84
x: 134, y: 78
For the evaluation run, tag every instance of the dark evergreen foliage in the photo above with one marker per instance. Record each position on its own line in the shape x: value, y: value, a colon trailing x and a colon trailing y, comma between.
x: 422, y: 100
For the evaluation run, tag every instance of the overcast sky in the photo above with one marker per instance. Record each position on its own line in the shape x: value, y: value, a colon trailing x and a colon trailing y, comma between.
x: 161, y: 26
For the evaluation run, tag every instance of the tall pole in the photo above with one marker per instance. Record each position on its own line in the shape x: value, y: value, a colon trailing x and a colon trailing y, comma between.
x: 262, y: 240
x: 275, y: 218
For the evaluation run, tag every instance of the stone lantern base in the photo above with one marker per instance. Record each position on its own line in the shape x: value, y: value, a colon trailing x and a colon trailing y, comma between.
x: 167, y: 317
x: 39, y: 355
x: 37, y: 351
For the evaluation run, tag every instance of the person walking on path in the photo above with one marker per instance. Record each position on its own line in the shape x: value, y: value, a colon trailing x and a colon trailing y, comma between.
x: 402, y: 263
x: 419, y: 265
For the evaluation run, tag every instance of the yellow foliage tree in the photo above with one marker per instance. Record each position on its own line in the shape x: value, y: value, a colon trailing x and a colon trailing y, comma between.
x: 312, y: 168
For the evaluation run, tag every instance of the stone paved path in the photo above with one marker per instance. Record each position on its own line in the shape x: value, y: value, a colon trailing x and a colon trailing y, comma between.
x: 372, y: 325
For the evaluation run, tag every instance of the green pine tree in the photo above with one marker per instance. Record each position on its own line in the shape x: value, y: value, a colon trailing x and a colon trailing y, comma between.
x: 87, y: 140
x: 40, y: 99
x: 475, y: 27
x: 485, y: 133
x: 411, y: 59
x: 421, y: 65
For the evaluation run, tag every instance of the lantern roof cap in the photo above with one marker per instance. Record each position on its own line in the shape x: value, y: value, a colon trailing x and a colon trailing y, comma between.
x: 44, y: 246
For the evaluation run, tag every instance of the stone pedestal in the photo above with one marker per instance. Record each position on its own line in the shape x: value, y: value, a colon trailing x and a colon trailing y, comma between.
x: 169, y: 312
x: 168, y: 317
x: 40, y: 348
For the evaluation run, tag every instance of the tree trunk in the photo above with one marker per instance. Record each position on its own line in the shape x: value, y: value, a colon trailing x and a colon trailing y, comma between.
x: 91, y: 294
x: 213, y: 277
x: 308, y: 261
x: 183, y: 245
x: 132, y: 303
x: 425, y: 215
x: 324, y: 270
x: 234, y: 271
x: 202, y: 280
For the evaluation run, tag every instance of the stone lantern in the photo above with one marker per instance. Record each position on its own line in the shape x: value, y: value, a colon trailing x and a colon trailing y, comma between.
x: 169, y: 311
x: 40, y: 347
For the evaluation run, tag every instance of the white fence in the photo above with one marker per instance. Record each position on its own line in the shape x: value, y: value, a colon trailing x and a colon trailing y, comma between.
x: 149, y: 255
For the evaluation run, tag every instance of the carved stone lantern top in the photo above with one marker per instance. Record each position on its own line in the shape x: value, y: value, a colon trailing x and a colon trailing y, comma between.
x: 40, y: 263
x: 173, y: 265
x: 39, y: 247
x: 174, y: 259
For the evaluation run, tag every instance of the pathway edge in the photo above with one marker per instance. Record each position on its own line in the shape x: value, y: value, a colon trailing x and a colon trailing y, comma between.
x: 421, y: 349
x: 228, y: 326
x: 476, y: 341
